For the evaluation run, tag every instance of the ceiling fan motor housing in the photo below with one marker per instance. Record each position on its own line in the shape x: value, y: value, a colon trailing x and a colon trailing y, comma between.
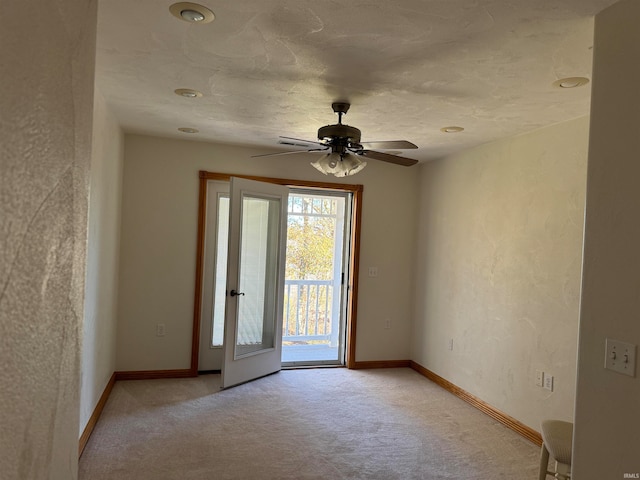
x: 339, y: 134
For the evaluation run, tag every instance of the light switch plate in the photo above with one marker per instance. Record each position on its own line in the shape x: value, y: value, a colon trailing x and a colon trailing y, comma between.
x: 620, y: 357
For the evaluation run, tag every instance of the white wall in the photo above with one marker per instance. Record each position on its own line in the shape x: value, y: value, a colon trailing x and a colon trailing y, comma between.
x: 499, y: 254
x: 47, y: 52
x: 158, y: 246
x: 607, y: 423
x: 99, y: 327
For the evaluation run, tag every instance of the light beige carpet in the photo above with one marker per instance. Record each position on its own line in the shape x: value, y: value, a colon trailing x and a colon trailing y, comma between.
x: 301, y: 424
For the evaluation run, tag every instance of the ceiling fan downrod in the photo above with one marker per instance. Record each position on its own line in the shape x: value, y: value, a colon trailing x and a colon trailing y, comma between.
x: 340, y: 134
x: 341, y: 108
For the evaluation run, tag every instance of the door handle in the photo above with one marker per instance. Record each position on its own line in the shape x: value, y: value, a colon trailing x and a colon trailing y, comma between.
x: 233, y: 293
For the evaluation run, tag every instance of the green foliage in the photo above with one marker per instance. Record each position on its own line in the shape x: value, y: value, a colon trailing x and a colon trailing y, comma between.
x: 310, y: 239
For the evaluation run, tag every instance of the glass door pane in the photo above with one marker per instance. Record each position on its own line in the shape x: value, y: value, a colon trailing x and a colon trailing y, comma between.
x: 220, y: 279
x: 257, y: 275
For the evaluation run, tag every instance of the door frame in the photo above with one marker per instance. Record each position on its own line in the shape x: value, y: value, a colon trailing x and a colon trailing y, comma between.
x: 352, y: 306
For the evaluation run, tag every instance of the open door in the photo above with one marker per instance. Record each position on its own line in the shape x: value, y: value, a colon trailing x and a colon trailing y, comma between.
x: 252, y: 346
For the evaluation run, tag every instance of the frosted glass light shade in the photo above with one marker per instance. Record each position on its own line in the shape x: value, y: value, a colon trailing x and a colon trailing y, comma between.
x: 339, y: 165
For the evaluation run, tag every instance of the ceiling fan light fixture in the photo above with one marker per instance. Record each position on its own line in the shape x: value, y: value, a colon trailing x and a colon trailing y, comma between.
x: 351, y: 164
x: 326, y: 164
x: 192, y: 12
x: 339, y: 165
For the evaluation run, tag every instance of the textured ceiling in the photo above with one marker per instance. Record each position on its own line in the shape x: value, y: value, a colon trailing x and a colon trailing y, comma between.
x: 408, y: 67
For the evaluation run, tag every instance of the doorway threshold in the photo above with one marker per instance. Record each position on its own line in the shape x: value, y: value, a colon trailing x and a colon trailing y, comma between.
x: 307, y: 367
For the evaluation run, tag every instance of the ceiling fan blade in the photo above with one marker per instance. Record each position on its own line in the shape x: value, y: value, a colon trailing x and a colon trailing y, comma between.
x: 386, y: 157
x: 390, y: 145
x: 306, y: 142
x: 290, y: 152
x: 293, y: 144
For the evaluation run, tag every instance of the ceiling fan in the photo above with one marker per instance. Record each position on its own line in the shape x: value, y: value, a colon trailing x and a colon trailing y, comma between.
x: 344, y: 148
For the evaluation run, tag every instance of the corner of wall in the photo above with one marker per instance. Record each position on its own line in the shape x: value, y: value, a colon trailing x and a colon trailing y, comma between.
x: 101, y: 288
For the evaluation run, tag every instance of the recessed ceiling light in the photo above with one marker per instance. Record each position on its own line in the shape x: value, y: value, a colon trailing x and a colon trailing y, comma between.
x: 188, y: 130
x: 451, y: 129
x: 191, y: 12
x: 571, y: 82
x: 188, y: 93
x: 191, y: 16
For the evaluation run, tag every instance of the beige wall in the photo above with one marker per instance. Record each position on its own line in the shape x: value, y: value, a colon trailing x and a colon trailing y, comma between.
x: 499, y: 255
x: 99, y: 327
x: 158, y: 246
x: 607, y: 428
x: 47, y: 54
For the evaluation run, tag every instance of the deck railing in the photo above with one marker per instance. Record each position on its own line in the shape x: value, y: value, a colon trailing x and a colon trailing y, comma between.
x: 307, y: 311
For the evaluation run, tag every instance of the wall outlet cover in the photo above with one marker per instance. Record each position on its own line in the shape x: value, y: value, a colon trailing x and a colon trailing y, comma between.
x: 548, y: 382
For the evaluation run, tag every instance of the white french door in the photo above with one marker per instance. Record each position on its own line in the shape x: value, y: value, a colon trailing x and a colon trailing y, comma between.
x: 317, y: 301
x: 252, y: 345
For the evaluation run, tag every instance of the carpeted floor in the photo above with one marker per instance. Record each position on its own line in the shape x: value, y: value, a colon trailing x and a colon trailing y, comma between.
x: 301, y: 424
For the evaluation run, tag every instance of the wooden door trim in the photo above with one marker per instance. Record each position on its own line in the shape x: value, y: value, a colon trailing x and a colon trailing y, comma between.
x: 354, y: 266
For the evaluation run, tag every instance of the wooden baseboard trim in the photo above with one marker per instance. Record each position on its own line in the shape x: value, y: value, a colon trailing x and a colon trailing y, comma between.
x: 155, y: 374
x: 510, y: 422
x: 86, y: 433
x: 381, y: 364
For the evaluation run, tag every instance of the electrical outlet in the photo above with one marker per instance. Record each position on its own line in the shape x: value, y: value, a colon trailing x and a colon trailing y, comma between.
x: 451, y: 344
x: 160, y: 330
x: 373, y: 271
x: 548, y: 382
x: 539, y: 378
x: 387, y: 324
x: 620, y: 357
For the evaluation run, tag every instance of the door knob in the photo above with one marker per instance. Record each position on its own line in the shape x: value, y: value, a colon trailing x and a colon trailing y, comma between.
x: 233, y: 293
